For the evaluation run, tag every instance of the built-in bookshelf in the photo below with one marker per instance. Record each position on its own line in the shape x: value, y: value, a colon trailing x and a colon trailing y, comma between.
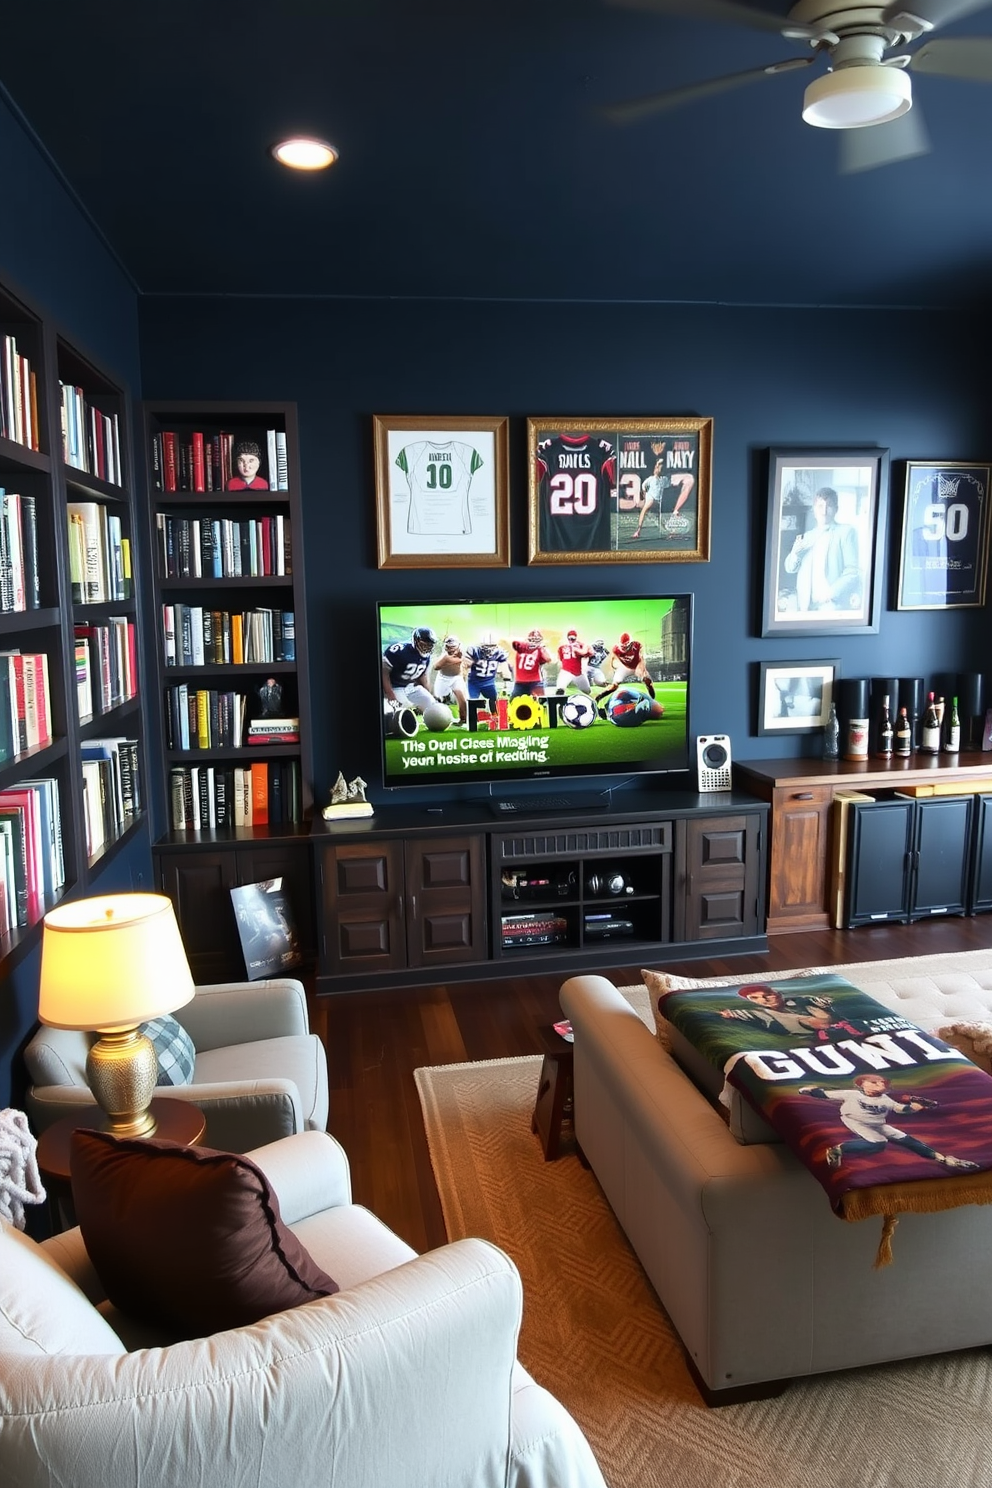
x: 61, y: 642
x: 232, y: 692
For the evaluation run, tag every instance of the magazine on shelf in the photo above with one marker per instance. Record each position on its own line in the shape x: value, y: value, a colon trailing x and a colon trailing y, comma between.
x: 269, y: 941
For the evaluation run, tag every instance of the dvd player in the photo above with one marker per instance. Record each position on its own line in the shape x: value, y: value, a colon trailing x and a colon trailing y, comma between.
x: 603, y: 926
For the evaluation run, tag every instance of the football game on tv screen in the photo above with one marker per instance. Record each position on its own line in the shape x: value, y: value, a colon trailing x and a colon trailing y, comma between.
x: 503, y: 690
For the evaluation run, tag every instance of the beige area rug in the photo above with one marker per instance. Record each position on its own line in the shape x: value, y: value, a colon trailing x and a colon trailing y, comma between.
x: 595, y: 1334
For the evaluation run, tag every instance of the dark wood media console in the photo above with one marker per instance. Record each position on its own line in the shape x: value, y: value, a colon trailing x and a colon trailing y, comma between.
x: 413, y: 892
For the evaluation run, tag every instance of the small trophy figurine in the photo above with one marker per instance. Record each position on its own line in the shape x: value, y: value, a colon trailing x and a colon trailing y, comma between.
x: 347, y: 799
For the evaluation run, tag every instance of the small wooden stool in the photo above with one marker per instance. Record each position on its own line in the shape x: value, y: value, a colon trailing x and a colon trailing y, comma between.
x: 554, y: 1091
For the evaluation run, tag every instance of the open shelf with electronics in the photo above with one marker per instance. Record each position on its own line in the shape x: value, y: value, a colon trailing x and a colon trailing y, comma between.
x: 71, y: 771
x: 232, y: 702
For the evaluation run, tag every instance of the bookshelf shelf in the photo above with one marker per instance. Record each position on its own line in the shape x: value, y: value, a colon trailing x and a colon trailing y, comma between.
x: 43, y: 741
x: 209, y: 847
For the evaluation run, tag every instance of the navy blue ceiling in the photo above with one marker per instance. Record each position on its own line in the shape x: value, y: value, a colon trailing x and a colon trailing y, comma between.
x: 474, y: 162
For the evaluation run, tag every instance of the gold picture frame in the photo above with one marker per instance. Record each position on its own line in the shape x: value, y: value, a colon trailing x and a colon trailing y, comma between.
x: 621, y: 490
x: 442, y: 492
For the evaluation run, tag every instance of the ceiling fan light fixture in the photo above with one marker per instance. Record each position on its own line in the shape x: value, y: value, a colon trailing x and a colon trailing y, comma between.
x: 301, y: 153
x: 855, y: 97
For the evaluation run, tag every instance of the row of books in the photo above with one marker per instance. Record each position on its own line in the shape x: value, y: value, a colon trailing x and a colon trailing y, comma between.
x: 91, y: 439
x: 25, y: 702
x: 99, y: 554
x: 222, y: 548
x: 197, y: 461
x: 266, y: 792
x: 32, y: 864
x: 111, y: 789
x: 194, y: 636
x: 106, y: 657
x: 20, y: 578
x: 18, y: 397
x: 201, y: 718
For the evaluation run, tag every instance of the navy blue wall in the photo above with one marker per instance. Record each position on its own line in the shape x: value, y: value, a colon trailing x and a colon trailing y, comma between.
x: 50, y: 253
x: 802, y: 376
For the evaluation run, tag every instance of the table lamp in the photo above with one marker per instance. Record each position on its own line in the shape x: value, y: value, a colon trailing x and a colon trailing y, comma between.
x: 108, y: 964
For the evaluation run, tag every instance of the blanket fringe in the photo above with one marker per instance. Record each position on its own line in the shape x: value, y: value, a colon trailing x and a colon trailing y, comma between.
x: 884, y: 1256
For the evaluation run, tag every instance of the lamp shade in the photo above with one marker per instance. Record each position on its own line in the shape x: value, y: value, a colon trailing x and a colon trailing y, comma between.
x: 112, y: 962
x: 853, y: 97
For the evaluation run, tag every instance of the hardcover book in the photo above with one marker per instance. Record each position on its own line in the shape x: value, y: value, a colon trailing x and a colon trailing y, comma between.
x: 269, y: 940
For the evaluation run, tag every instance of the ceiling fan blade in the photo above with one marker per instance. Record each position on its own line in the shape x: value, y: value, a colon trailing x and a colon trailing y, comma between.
x: 725, y: 11
x: 956, y: 57
x: 936, y: 12
x: 657, y: 103
x: 883, y: 144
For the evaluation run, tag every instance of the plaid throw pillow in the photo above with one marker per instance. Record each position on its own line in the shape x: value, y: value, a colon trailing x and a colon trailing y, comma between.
x: 173, y: 1049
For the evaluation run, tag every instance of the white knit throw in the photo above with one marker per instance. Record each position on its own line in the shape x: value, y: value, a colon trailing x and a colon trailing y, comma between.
x: 20, y: 1182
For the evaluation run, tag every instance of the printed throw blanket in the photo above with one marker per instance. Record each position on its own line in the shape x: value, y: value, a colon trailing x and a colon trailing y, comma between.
x: 888, y: 1118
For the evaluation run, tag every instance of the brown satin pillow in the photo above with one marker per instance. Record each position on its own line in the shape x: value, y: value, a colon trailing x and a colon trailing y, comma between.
x: 187, y: 1239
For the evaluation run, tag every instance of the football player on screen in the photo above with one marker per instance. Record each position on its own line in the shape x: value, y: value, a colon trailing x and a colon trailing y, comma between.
x: 483, y: 664
x: 572, y: 657
x: 530, y: 656
x: 447, y: 680
x: 404, y: 665
x: 629, y: 665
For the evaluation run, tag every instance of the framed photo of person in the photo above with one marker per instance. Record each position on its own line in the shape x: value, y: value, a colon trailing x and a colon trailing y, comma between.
x: 794, y: 697
x: 442, y: 493
x: 823, y: 542
x: 619, y: 490
x: 943, y: 559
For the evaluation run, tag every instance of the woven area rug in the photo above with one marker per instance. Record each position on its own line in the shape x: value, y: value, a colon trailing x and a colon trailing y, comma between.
x: 595, y: 1334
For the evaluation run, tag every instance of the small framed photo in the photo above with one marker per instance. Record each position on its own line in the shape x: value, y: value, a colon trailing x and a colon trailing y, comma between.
x: 794, y: 697
x: 619, y: 490
x: 823, y: 544
x: 442, y: 492
x: 943, y: 559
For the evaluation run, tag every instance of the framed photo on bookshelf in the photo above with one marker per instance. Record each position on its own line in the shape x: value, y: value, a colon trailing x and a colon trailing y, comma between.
x: 620, y: 490
x: 943, y: 557
x: 794, y: 697
x: 823, y: 541
x: 442, y: 492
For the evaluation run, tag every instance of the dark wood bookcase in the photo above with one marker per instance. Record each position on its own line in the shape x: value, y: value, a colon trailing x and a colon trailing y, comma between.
x: 38, y: 473
x: 198, y: 866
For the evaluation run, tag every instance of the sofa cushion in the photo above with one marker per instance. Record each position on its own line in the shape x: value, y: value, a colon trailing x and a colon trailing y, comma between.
x: 41, y: 1310
x: 185, y: 1238
x: 173, y: 1049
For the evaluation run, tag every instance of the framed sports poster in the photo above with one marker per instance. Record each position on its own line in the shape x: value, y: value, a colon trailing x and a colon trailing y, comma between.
x: 823, y: 542
x: 945, y: 536
x: 619, y: 490
x: 441, y: 492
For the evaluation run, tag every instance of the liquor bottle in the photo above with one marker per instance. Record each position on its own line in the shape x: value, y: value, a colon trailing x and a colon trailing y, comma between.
x: 904, y: 735
x: 831, y: 734
x: 930, y: 737
x: 884, y: 750
x: 952, y: 737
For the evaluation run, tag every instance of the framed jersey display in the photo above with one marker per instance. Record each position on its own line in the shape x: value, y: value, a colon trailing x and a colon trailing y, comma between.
x: 619, y: 490
x: 945, y: 536
x: 442, y: 492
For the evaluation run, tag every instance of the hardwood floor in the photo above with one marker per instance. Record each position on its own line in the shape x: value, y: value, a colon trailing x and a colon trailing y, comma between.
x: 376, y: 1040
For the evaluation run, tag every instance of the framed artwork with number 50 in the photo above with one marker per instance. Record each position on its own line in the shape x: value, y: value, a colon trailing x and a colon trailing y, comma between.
x: 945, y: 536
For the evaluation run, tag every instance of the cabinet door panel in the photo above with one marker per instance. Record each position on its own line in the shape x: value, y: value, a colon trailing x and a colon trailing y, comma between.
x: 981, y: 880
x: 722, y: 887
x: 446, y: 901
x: 362, y: 901
x: 943, y: 838
x: 879, y: 861
x: 199, y: 885
x: 800, y: 852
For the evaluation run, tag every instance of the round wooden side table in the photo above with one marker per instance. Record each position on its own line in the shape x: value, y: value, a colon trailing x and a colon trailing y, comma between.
x: 176, y: 1121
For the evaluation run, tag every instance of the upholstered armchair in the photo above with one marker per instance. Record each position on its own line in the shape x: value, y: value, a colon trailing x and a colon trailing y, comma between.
x: 405, y: 1378
x: 259, y: 1073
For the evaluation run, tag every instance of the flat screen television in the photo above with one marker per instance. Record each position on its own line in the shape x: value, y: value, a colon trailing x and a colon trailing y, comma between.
x: 496, y: 691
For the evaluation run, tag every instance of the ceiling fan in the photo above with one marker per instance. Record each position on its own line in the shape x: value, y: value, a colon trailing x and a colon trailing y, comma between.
x: 862, y: 85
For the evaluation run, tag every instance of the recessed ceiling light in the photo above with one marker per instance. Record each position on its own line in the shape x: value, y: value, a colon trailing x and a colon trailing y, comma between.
x: 305, y: 154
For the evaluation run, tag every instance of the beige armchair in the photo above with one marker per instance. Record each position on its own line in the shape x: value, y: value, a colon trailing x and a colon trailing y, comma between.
x: 406, y: 1378
x: 260, y: 1074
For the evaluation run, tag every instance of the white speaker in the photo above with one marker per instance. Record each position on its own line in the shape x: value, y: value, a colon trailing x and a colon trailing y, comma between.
x: 713, y: 761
